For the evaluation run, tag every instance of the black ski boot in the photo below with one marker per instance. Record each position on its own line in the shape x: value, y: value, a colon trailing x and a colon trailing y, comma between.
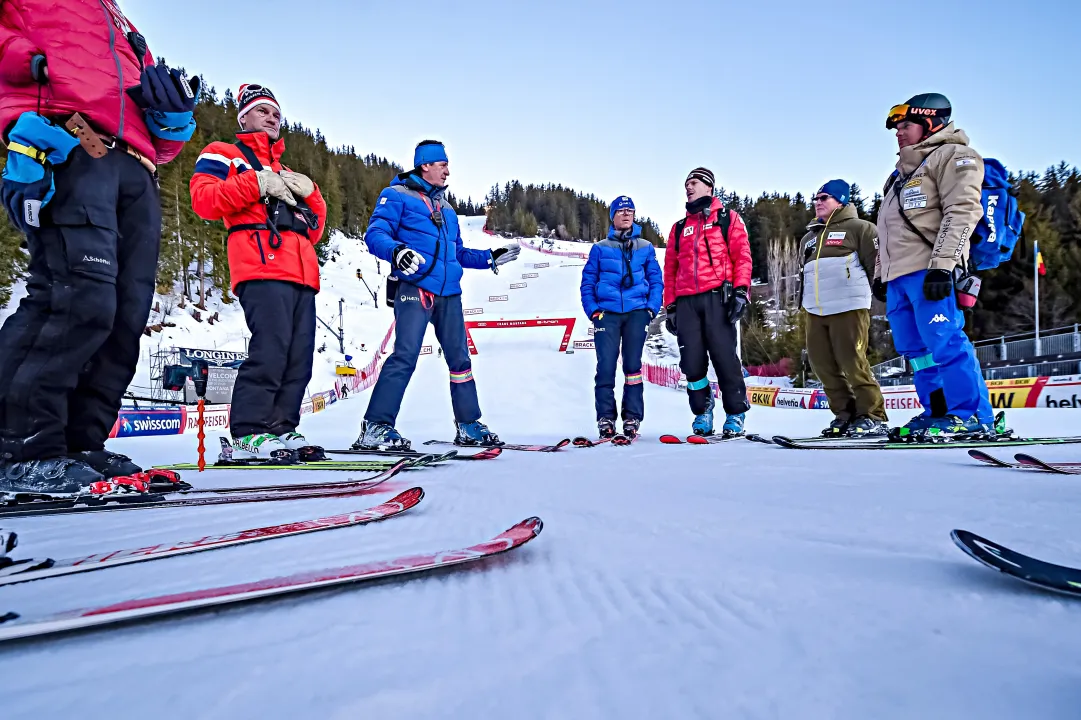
x: 107, y: 463
x: 630, y: 427
x: 837, y: 428
x: 864, y: 426
x: 606, y: 428
x: 55, y: 477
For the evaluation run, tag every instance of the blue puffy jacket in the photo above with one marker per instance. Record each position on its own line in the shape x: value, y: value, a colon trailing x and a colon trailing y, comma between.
x: 622, y: 275
x: 402, y: 217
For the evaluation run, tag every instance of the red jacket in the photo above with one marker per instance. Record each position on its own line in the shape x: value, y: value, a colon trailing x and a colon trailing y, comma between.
x: 705, y: 260
x: 90, y: 63
x: 225, y: 187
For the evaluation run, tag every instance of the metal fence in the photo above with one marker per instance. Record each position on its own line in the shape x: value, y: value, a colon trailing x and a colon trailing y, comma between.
x: 1056, y: 344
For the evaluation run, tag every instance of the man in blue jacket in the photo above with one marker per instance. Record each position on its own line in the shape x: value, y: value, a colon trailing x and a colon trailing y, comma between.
x: 416, y: 230
x: 621, y: 293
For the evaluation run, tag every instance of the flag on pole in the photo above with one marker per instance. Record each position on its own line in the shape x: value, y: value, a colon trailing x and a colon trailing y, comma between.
x: 1039, y: 263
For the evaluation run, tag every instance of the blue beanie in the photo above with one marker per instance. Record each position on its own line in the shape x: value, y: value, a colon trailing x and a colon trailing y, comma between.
x: 839, y: 190
x: 429, y: 152
x: 622, y: 202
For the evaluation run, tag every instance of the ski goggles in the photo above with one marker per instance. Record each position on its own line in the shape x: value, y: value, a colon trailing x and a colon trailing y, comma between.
x: 897, y: 114
x: 900, y: 113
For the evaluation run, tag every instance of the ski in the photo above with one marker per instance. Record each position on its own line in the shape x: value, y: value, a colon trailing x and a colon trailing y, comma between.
x: 231, y: 496
x: 755, y: 437
x: 1028, y: 461
x: 1045, y: 575
x: 991, y: 460
x: 13, y: 627
x: 19, y: 571
x: 621, y: 440
x: 526, y: 448
x: 584, y: 442
x: 884, y: 444
x: 338, y: 465
x: 485, y: 454
x: 699, y: 439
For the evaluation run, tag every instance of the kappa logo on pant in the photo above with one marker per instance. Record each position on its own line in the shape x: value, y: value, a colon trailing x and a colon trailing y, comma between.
x: 938, y: 318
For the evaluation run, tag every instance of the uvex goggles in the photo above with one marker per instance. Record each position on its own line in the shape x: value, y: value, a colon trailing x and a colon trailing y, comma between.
x: 900, y: 113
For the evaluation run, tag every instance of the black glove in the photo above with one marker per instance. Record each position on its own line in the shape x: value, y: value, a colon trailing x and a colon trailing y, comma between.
x: 878, y: 289
x: 165, y: 90
x: 737, y: 305
x: 670, y: 321
x: 937, y: 285
x: 407, y: 260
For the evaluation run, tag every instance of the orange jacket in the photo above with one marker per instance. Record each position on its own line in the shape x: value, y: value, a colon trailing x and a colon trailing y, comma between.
x: 225, y: 187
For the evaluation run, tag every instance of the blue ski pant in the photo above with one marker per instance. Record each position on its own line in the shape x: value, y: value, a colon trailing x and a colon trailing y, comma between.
x: 413, y: 310
x: 931, y: 335
x: 611, y: 331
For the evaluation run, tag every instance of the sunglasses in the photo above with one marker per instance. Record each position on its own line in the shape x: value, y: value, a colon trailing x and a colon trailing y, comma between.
x: 821, y: 198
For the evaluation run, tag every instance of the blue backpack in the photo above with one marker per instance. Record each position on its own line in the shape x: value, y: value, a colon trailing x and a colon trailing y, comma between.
x: 999, y: 229
x: 997, y: 232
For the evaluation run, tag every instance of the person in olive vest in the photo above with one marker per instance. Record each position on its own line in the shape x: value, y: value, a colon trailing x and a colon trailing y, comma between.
x: 838, y: 263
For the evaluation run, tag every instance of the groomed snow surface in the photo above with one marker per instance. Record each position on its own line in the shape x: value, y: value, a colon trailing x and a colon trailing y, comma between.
x: 727, y: 581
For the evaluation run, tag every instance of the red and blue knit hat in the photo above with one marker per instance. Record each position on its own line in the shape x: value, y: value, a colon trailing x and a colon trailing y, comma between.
x: 249, y: 96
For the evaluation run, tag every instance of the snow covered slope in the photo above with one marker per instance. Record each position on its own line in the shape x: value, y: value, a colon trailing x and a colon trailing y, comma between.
x: 728, y: 581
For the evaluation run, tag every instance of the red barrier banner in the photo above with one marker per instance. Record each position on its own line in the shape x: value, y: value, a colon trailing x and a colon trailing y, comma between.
x: 566, y: 323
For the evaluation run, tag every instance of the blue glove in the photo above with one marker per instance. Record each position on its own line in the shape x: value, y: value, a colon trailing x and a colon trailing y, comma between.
x: 170, y: 101
x: 35, y: 146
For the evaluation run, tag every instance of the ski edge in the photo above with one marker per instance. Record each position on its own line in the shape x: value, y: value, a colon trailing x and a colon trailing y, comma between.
x: 963, y: 538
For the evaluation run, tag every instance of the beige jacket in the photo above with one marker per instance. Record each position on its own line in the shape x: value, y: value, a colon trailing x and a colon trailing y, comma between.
x: 939, y: 190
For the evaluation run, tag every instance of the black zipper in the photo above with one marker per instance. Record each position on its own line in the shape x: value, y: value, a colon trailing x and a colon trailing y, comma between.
x: 259, y: 242
x: 119, y: 68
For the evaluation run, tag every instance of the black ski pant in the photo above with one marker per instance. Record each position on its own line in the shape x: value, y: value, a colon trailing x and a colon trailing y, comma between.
x: 705, y: 334
x: 270, y: 384
x: 70, y: 350
x: 611, y: 331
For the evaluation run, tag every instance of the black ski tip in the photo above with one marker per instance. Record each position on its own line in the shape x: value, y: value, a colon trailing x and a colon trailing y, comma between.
x: 8, y: 617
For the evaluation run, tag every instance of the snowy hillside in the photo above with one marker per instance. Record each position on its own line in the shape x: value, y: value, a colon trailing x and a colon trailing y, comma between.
x: 728, y: 581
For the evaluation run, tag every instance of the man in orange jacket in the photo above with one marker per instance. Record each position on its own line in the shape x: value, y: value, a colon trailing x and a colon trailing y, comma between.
x: 274, y: 217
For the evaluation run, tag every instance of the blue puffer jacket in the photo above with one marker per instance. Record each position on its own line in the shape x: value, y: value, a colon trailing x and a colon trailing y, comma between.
x: 622, y: 275
x: 402, y: 217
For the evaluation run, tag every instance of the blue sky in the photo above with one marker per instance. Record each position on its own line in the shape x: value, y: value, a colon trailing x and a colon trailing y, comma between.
x: 627, y: 97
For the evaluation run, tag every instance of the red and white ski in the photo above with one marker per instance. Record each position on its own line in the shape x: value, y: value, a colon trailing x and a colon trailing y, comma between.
x: 147, y: 501
x: 13, y: 627
x: 20, y: 571
x: 583, y: 442
x: 699, y: 439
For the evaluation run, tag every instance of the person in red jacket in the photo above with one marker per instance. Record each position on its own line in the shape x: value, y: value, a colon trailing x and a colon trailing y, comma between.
x: 86, y: 115
x: 274, y: 217
x: 707, y: 275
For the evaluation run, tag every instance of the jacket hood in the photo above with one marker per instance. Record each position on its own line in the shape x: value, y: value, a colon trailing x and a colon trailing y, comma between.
x: 268, y: 152
x: 911, y: 156
x: 634, y: 232
x: 846, y: 212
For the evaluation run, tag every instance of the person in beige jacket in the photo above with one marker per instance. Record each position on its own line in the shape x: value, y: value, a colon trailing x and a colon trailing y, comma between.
x: 930, y: 207
x: 838, y: 262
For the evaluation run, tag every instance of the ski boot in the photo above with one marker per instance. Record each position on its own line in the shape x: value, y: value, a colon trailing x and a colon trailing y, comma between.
x: 476, y: 433
x: 306, y: 452
x: 864, y: 426
x: 107, y: 463
x: 837, y: 428
x: 703, y: 424
x: 380, y: 436
x: 913, y: 430
x: 255, y: 449
x: 733, y: 424
x: 631, y: 427
x: 8, y: 541
x: 952, y: 428
x: 50, y: 478
x: 606, y: 428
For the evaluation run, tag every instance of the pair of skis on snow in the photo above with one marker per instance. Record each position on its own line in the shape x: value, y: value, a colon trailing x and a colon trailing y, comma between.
x: 882, y: 443
x: 13, y: 627
x: 1027, y: 462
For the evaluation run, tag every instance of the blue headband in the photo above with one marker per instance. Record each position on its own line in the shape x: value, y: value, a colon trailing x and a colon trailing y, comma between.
x: 425, y: 154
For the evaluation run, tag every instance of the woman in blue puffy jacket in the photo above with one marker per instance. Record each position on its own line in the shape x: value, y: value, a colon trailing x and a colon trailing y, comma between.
x: 621, y: 293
